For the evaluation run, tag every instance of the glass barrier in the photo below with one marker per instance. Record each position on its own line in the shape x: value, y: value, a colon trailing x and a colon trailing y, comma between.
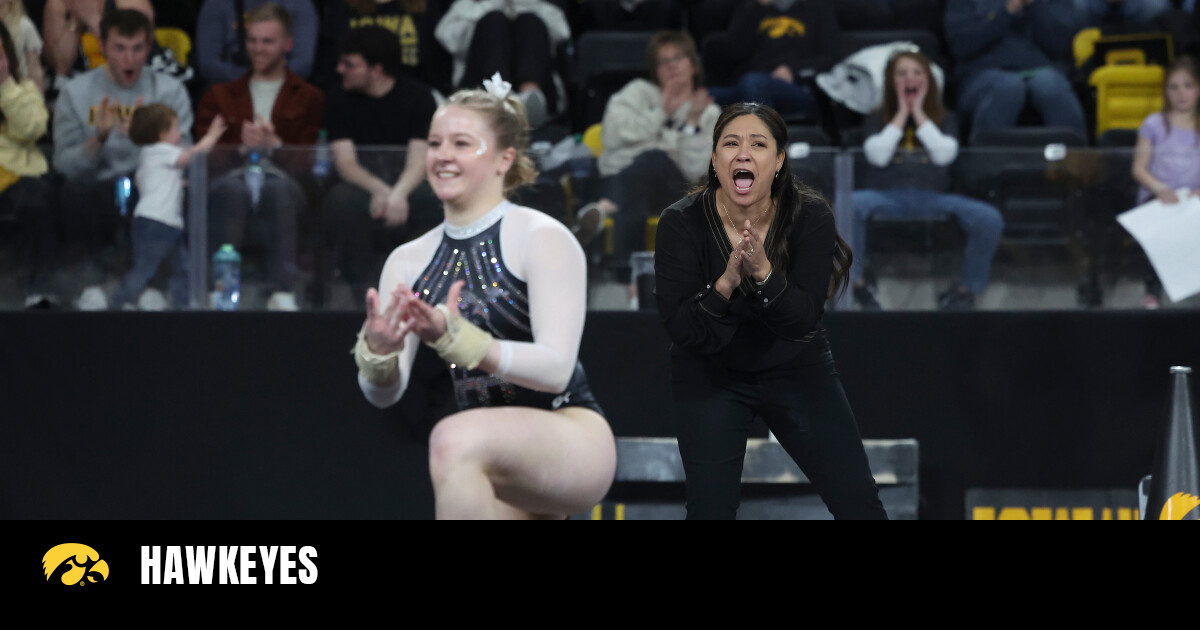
x: 1019, y: 228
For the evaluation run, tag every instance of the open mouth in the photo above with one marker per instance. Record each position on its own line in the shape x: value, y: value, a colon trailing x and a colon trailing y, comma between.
x: 911, y: 90
x: 742, y: 180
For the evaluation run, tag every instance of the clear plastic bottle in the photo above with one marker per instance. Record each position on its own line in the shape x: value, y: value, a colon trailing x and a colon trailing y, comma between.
x: 227, y: 278
x: 254, y: 177
x: 322, y: 165
x: 124, y: 191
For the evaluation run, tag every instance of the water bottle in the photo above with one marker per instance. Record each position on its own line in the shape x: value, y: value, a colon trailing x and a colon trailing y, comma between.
x: 254, y: 177
x: 321, y: 163
x: 124, y: 190
x: 227, y: 278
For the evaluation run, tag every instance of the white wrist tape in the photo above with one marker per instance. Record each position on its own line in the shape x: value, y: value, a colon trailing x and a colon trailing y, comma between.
x: 377, y: 368
x: 463, y: 343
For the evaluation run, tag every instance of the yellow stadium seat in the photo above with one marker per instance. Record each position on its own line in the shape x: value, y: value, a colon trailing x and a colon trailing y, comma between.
x: 92, y: 51
x: 1126, y: 94
x: 591, y: 139
x: 177, y: 40
x: 1084, y: 45
x: 1125, y: 57
x: 609, y: 235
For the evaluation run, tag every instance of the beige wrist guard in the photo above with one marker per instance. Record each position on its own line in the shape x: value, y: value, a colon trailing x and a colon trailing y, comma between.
x: 463, y: 343
x: 377, y: 368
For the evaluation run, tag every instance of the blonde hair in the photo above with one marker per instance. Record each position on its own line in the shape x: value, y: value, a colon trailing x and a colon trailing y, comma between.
x: 506, y: 118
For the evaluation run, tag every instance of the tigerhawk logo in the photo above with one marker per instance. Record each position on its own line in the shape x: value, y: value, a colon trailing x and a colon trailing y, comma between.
x: 782, y: 26
x: 79, y: 564
x: 1178, y: 506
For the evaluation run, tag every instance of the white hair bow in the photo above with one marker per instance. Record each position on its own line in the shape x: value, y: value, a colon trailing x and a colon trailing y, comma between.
x: 497, y: 86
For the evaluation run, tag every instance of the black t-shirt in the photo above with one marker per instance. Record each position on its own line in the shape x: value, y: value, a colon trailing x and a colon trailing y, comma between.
x: 421, y: 56
x: 393, y: 119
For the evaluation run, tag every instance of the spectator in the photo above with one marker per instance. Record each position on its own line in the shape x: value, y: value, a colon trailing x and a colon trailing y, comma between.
x: 412, y: 21
x: 268, y: 108
x: 26, y: 39
x: 365, y: 214
x: 1133, y: 12
x: 911, y: 183
x: 657, y: 141
x: 220, y: 38
x: 1167, y: 158
x: 158, y: 217
x: 24, y: 193
x: 71, y: 27
x: 776, y: 46
x: 92, y: 148
x: 1009, y: 52
x: 516, y: 38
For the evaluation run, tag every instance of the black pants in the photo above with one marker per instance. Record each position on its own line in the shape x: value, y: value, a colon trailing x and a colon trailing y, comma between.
x: 272, y: 224
x: 807, y: 411
x: 645, y: 188
x: 28, y: 202
x: 94, y: 231
x: 518, y: 49
x: 362, y: 243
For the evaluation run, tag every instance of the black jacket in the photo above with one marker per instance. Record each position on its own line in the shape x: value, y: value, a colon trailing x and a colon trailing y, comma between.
x: 760, y: 328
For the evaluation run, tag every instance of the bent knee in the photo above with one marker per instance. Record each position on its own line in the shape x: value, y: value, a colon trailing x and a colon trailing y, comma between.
x: 454, y: 443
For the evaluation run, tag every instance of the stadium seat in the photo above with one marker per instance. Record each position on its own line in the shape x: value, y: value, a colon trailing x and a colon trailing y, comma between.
x: 604, y: 62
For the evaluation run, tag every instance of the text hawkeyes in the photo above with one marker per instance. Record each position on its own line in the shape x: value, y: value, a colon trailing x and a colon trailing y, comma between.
x: 232, y: 565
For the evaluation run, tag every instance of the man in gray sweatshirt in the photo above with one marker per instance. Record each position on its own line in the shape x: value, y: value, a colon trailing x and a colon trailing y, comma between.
x: 92, y: 148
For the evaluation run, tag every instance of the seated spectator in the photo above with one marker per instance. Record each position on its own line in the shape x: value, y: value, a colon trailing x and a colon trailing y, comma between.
x: 413, y: 21
x: 26, y: 39
x: 382, y: 199
x: 92, y: 148
x: 71, y: 27
x: 657, y: 140
x: 220, y: 39
x: 158, y: 217
x: 268, y: 108
x: 1129, y: 12
x: 910, y: 155
x: 24, y: 193
x: 516, y: 38
x: 1008, y: 53
x: 776, y: 46
x: 1167, y: 158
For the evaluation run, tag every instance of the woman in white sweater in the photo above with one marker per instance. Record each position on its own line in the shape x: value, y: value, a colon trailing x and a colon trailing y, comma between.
x: 657, y: 139
x: 516, y: 38
x: 910, y: 157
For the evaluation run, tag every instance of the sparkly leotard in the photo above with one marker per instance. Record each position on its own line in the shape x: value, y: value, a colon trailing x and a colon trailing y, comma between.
x: 497, y: 301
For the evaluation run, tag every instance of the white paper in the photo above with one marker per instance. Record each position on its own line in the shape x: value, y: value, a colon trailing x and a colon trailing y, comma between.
x: 1170, y: 236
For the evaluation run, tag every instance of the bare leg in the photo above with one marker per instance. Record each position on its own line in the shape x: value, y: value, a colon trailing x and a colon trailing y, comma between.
x: 520, y: 462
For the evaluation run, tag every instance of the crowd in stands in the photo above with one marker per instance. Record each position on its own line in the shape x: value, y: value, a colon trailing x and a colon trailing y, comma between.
x: 265, y: 81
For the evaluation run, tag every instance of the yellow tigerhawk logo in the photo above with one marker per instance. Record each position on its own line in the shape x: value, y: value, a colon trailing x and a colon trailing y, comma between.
x: 83, y: 564
x: 1178, y: 506
x: 782, y: 26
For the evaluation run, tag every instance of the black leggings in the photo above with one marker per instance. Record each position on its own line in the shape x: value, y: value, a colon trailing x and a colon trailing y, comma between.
x: 519, y: 49
x: 808, y: 413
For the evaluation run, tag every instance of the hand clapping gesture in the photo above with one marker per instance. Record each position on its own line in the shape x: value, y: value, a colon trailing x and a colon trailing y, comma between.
x: 755, y: 264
